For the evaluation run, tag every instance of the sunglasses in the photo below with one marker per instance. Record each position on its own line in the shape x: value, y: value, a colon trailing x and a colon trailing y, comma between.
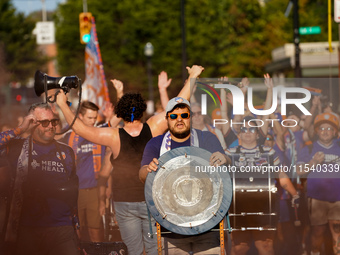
x: 246, y: 130
x: 46, y: 123
x: 174, y: 116
x: 326, y: 129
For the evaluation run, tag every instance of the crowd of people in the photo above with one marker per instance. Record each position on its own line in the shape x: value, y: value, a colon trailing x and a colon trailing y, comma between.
x: 55, y: 188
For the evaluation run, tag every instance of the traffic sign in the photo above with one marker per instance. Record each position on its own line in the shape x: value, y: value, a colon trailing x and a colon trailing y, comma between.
x: 45, y: 32
x: 309, y: 30
x: 337, y: 11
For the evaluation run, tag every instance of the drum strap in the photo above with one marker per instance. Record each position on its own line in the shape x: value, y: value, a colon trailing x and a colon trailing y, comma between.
x: 229, y: 234
x: 150, y: 226
x: 222, y: 237
x: 159, y: 239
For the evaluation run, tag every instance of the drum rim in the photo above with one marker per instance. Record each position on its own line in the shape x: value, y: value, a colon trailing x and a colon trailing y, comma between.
x: 211, y: 223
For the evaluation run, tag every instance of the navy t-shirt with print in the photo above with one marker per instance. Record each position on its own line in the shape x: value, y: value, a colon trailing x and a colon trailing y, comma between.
x: 49, y: 197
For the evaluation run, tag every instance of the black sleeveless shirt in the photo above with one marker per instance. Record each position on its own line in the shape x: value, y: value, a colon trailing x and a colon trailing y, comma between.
x: 126, y: 186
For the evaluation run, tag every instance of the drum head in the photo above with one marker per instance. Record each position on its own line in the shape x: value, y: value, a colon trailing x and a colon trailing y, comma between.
x: 186, y: 195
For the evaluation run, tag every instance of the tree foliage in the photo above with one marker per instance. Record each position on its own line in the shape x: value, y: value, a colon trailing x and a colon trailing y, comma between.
x: 19, y: 55
x: 227, y: 37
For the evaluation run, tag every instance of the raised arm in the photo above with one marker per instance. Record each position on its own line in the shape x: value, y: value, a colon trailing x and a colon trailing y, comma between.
x: 243, y: 85
x: 314, y: 110
x: 118, y: 85
x: 103, y: 136
x: 157, y: 123
x: 279, y: 131
x: 163, y: 84
x: 269, y: 99
x: 28, y: 123
x: 193, y: 72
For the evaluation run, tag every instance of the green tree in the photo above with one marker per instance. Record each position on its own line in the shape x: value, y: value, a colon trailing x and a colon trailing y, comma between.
x: 227, y: 37
x: 17, y: 44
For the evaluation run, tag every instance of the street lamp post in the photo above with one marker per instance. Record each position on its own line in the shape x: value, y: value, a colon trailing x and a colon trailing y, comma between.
x: 148, y: 52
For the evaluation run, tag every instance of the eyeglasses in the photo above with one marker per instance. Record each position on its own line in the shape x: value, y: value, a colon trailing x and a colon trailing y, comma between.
x: 269, y: 139
x: 326, y: 129
x: 174, y: 116
x: 246, y: 130
x: 196, y: 113
x: 46, y: 123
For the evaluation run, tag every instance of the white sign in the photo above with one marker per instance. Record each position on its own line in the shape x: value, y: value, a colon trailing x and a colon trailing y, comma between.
x: 45, y: 32
x: 337, y: 11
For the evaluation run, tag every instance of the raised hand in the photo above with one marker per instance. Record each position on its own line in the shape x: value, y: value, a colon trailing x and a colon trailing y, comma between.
x: 268, y: 81
x: 195, y: 71
x: 118, y: 85
x: 108, y: 110
x: 244, y: 84
x: 163, y: 81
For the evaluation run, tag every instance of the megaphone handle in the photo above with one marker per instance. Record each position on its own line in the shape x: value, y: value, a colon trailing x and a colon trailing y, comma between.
x: 48, y: 99
x: 55, y: 99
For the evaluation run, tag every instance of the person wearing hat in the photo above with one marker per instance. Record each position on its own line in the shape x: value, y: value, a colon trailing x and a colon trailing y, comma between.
x: 249, y: 146
x: 127, y: 145
x: 179, y: 135
x: 321, y: 162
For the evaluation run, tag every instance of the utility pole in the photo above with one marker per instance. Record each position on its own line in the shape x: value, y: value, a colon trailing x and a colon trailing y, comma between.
x: 84, y: 6
x: 184, y: 53
x: 296, y: 25
x: 43, y: 9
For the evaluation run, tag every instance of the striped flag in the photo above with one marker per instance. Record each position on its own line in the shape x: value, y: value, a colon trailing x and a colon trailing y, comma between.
x: 94, y: 87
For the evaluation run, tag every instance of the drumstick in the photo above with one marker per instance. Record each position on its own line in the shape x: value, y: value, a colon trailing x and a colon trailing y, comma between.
x: 297, y: 222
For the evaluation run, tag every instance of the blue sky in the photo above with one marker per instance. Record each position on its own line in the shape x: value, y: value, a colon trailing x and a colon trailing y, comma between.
x: 28, y: 6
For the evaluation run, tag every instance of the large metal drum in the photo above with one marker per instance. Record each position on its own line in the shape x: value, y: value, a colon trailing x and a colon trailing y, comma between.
x: 254, y: 195
x: 183, y: 197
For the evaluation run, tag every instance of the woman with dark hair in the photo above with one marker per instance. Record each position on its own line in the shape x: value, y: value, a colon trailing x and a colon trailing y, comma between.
x: 127, y: 146
x: 131, y: 107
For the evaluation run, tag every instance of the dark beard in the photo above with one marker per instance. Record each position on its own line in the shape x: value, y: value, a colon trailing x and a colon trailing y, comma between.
x: 181, y: 135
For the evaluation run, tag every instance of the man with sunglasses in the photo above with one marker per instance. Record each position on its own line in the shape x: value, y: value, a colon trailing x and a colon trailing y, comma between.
x: 321, y: 162
x: 250, y: 147
x: 44, y: 188
x: 179, y: 135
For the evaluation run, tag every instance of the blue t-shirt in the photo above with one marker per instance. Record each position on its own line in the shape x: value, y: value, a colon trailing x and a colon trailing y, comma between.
x: 45, y: 203
x: 323, y: 182
x: 84, y: 161
x: 206, y: 140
